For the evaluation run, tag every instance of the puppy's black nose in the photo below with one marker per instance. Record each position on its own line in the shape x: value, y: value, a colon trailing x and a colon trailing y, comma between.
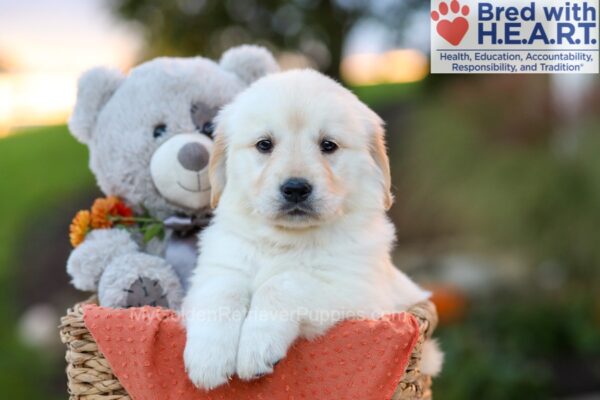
x: 296, y: 190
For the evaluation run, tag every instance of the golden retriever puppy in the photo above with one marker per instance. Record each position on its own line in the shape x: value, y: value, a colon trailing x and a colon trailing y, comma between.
x: 300, y: 239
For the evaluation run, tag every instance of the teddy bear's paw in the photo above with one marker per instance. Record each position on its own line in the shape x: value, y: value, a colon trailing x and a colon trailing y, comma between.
x: 146, y: 291
x: 262, y: 346
x: 209, y: 357
x: 136, y: 280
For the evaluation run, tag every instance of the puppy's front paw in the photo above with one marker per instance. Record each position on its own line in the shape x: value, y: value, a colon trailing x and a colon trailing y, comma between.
x: 209, y: 358
x: 261, y: 348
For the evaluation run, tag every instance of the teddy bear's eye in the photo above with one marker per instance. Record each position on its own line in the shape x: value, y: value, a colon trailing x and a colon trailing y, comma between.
x: 159, y: 130
x: 208, y: 128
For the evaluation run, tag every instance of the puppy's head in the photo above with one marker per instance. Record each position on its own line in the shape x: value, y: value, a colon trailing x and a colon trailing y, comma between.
x: 297, y: 150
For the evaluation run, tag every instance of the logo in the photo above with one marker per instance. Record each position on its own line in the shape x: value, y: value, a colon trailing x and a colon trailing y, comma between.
x: 452, y: 25
x: 515, y: 36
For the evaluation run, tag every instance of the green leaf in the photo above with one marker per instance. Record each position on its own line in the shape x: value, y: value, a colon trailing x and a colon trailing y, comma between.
x: 161, y: 234
x: 152, y: 231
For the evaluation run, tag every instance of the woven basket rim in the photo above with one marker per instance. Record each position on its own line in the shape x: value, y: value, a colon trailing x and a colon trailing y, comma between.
x: 90, y: 377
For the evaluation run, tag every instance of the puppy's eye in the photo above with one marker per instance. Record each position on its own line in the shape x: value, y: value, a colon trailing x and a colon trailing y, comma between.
x: 328, y: 147
x: 159, y: 130
x: 208, y: 128
x: 264, y: 146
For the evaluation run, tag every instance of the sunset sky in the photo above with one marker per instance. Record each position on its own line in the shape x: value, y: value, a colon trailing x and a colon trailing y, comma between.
x: 46, y: 44
x: 44, y: 47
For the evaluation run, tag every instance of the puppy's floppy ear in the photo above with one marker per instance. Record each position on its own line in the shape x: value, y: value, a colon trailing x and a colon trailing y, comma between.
x: 379, y: 154
x: 249, y: 62
x: 217, y: 167
x: 94, y: 89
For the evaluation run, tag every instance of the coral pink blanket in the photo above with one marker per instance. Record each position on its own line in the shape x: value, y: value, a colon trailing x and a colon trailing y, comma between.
x: 354, y: 360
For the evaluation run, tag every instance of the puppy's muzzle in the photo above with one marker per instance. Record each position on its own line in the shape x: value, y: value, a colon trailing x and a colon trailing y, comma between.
x: 296, y: 190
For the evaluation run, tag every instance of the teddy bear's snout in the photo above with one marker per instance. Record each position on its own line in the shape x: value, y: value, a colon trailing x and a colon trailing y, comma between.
x: 179, y: 169
x: 193, y: 156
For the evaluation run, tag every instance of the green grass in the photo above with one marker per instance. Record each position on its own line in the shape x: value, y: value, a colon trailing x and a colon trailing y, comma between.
x: 39, y: 168
x: 381, y: 95
x: 527, y: 199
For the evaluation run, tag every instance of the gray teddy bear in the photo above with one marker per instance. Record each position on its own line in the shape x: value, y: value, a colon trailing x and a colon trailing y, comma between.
x: 149, y: 139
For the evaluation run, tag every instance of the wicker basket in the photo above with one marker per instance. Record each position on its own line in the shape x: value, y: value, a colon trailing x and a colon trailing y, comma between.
x: 90, y: 377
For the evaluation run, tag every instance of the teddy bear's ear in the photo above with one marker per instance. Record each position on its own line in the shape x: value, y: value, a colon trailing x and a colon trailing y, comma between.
x: 94, y: 89
x: 249, y: 62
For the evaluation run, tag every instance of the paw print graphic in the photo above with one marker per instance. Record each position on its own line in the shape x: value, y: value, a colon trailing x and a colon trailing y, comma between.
x: 453, y: 30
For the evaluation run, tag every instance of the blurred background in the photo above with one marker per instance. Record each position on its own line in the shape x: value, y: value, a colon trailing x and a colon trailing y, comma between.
x: 497, y: 178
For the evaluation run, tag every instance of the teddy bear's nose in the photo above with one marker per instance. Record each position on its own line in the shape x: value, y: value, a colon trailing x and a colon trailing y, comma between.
x: 193, y: 157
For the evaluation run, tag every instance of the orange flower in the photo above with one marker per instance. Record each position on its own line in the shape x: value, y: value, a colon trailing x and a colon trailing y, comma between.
x: 110, y: 210
x: 102, y: 211
x: 80, y: 226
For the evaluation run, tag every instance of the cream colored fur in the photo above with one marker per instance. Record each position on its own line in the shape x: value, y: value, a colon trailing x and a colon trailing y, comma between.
x: 265, y: 277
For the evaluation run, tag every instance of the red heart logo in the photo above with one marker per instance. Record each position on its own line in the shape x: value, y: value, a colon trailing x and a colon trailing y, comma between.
x: 454, y: 31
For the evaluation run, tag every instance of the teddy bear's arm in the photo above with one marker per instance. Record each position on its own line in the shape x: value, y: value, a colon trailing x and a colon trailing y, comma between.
x: 88, y: 261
